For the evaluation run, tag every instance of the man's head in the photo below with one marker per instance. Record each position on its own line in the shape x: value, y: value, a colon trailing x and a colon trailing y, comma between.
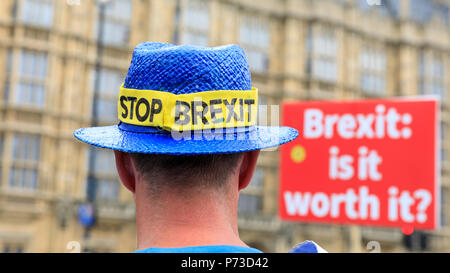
x: 181, y: 172
x: 164, y: 88
x: 186, y: 173
x: 185, y: 200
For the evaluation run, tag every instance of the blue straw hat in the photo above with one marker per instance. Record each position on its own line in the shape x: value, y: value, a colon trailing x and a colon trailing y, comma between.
x: 187, y: 100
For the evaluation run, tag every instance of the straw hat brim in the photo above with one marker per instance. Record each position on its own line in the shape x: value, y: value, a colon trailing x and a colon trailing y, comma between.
x: 112, y: 137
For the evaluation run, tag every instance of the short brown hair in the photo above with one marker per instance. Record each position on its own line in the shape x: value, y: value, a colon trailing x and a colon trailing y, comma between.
x: 180, y: 171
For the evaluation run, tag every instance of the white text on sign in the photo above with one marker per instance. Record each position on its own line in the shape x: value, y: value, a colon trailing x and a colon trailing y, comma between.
x: 380, y: 124
x: 360, y: 204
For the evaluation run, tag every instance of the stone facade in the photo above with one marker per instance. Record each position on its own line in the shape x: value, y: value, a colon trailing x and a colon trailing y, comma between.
x: 297, y: 49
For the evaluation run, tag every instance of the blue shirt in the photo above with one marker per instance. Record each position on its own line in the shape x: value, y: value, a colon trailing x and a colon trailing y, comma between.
x: 201, y: 249
x: 308, y: 247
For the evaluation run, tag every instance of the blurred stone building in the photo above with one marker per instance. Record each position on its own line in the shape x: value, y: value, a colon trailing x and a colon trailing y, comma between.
x: 54, y: 54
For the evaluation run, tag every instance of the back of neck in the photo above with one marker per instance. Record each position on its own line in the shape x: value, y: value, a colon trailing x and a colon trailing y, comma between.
x: 182, y: 221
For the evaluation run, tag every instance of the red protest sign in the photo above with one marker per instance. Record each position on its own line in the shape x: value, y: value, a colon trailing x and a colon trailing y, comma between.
x: 371, y: 162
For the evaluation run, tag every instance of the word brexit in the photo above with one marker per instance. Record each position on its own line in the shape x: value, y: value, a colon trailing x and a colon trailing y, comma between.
x: 380, y: 124
x: 202, y: 110
x: 193, y: 112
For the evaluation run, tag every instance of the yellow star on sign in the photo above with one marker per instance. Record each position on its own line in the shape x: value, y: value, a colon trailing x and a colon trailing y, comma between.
x: 298, y: 154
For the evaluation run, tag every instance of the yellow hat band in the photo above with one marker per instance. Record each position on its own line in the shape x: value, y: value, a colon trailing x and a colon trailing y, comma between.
x: 186, y: 112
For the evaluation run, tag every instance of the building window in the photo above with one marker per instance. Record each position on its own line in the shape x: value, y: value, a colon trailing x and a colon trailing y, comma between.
x: 443, y: 11
x: 322, y: 47
x: 104, y: 162
x: 37, y: 12
x: 25, y: 158
x: 254, y: 37
x: 249, y: 203
x: 2, y: 139
x: 257, y: 181
x: 109, y: 83
x: 30, y: 87
x: 1, y: 146
x: 9, y: 61
x: 422, y: 11
x: 105, y: 175
x: 444, y: 206
x: 9, y: 70
x: 443, y: 138
x: 250, y: 200
x: 116, y: 28
x: 107, y: 190
x: 432, y: 75
x: 373, y: 71
x: 192, y: 23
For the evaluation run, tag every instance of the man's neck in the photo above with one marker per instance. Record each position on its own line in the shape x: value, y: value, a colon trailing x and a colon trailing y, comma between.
x: 184, y: 220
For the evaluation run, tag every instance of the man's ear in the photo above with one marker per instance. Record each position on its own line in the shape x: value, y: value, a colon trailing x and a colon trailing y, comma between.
x: 125, y: 168
x: 247, y: 168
